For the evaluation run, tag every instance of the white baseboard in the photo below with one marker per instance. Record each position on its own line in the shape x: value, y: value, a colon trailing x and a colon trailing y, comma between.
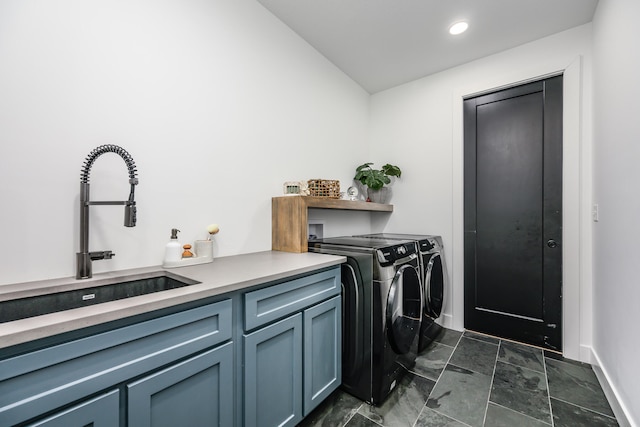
x: 446, y: 320
x: 586, y: 354
x: 619, y: 409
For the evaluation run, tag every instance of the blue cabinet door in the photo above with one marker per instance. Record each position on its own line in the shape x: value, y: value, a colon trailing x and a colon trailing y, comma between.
x: 273, y: 374
x: 102, y: 411
x: 322, y: 352
x: 196, y: 392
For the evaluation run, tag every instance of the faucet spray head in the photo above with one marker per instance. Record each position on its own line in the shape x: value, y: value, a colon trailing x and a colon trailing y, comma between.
x: 130, y: 215
x: 130, y: 210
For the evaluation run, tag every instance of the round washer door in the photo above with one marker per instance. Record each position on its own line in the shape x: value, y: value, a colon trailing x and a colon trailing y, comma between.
x: 434, y: 286
x: 404, y: 309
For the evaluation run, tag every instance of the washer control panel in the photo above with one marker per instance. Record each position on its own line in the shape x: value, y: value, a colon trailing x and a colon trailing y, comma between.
x: 389, y: 255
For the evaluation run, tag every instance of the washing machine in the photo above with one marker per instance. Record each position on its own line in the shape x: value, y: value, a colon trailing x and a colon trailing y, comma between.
x: 433, y: 274
x: 382, y: 306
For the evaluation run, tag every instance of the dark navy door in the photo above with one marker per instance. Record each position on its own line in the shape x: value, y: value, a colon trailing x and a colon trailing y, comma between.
x: 513, y: 213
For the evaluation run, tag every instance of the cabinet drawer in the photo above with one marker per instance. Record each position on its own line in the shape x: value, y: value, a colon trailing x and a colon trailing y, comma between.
x: 41, y: 381
x: 275, y: 302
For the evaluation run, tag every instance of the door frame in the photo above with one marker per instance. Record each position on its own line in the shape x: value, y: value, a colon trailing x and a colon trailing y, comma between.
x: 576, y: 231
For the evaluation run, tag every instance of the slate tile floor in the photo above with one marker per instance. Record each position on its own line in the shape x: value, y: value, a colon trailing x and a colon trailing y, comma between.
x: 479, y: 381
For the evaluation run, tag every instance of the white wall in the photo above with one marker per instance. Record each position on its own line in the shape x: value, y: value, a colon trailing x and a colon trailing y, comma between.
x: 217, y: 101
x: 419, y: 127
x: 616, y: 181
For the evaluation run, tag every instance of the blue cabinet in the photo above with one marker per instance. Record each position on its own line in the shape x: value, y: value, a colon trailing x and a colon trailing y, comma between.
x: 263, y: 357
x: 291, y: 366
x: 102, y: 411
x: 39, y: 382
x: 197, y: 391
x: 292, y: 348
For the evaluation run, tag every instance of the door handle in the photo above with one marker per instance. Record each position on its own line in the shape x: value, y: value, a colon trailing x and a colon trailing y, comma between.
x: 552, y: 243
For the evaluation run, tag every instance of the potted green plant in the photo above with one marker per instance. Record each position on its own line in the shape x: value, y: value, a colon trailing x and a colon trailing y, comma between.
x: 376, y: 179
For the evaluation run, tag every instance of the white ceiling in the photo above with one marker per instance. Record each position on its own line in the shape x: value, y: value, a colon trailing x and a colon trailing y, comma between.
x: 384, y: 43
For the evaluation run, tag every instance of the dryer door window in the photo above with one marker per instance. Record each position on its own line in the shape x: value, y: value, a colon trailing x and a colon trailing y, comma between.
x: 404, y: 309
x: 434, y: 286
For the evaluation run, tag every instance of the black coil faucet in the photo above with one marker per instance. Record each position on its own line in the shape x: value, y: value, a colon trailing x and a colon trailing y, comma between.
x: 84, y: 257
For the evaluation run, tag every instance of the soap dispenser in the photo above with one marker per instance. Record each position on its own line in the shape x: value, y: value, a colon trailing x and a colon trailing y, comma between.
x: 173, y: 250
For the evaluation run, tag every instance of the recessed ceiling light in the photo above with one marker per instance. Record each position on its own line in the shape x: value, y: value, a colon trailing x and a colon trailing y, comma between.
x: 458, y: 28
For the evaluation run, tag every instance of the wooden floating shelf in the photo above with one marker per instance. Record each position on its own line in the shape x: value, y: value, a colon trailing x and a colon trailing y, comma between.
x: 289, y: 218
x: 352, y: 205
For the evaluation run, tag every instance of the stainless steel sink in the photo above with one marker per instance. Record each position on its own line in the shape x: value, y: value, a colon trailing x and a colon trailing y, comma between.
x: 99, y: 292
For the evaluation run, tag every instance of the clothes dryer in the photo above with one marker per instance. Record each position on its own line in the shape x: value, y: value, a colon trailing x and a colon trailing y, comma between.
x: 433, y: 274
x: 382, y: 306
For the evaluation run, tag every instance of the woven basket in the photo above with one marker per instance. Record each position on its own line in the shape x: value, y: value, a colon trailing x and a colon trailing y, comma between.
x: 324, y: 188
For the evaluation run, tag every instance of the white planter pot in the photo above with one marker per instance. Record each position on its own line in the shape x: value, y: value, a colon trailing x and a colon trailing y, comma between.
x: 382, y: 195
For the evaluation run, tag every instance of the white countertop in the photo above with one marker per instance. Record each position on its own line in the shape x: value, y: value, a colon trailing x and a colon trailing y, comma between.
x: 223, y: 275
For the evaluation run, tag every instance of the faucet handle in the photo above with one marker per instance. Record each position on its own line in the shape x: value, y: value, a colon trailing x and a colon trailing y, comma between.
x: 101, y: 255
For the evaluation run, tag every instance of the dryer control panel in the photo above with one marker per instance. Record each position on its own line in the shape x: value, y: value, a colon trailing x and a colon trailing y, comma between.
x: 426, y: 245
